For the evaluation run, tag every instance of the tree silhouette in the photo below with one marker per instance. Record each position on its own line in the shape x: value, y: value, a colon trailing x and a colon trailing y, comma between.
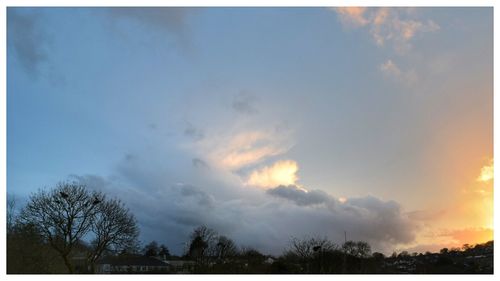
x: 164, y: 252
x: 69, y: 212
x: 225, y: 248
x: 151, y: 249
x: 64, y: 215
x: 114, y: 228
x: 202, y: 244
x: 308, y: 247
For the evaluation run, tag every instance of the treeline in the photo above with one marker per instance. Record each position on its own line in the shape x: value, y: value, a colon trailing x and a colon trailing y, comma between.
x: 69, y: 229
x: 215, y: 253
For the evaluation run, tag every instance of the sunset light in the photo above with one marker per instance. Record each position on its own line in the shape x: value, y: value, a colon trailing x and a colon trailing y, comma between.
x: 280, y: 173
x: 243, y: 139
x: 486, y: 173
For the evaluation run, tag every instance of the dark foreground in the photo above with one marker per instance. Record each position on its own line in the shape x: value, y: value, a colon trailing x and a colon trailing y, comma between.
x: 476, y: 259
x: 70, y: 229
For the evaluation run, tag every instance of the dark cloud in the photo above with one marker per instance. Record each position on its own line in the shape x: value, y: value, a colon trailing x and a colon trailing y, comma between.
x: 199, y: 163
x: 130, y: 157
x: 171, y: 198
x: 152, y: 126
x: 164, y: 212
x: 164, y: 19
x: 26, y: 39
x: 193, y: 132
x: 168, y: 211
x: 300, y: 196
x: 202, y: 198
x: 245, y: 103
x: 367, y: 218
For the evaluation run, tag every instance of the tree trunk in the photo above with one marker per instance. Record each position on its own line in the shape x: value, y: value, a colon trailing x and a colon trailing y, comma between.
x: 68, y: 264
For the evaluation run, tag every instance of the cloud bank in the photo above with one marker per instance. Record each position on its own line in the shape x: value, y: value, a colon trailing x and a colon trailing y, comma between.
x: 263, y: 218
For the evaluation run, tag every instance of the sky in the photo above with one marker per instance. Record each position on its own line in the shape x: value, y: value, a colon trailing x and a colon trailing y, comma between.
x: 261, y: 123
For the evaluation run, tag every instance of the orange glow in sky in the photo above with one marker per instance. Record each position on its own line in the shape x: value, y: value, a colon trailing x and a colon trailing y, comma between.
x: 486, y: 173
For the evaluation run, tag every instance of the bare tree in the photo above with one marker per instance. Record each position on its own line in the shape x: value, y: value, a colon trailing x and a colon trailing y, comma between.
x: 11, y: 213
x: 205, y: 233
x: 202, y: 243
x: 69, y: 212
x: 225, y: 248
x: 114, y: 228
x: 359, y: 249
x: 364, y: 249
x: 307, y: 248
x: 64, y: 215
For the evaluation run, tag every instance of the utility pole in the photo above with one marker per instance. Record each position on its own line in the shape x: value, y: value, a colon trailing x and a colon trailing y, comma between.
x: 345, y: 236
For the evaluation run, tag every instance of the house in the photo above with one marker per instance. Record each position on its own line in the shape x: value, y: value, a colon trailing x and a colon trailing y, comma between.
x: 131, y: 264
x: 270, y: 260
x: 181, y: 266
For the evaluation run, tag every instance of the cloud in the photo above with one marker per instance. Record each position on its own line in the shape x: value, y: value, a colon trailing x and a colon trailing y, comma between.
x: 391, y: 70
x: 168, y: 209
x: 301, y: 196
x: 486, y: 173
x: 387, y: 25
x: 366, y: 218
x: 352, y: 16
x: 280, y: 173
x: 172, y: 20
x: 199, y: 163
x: 243, y: 149
x: 193, y: 132
x: 201, y: 198
x: 170, y: 194
x: 244, y: 103
x: 26, y: 39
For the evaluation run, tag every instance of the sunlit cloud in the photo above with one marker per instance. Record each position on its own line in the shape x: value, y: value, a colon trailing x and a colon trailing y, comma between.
x: 280, y: 173
x: 486, y: 173
x: 390, y: 68
x: 352, y: 16
x: 386, y: 25
x: 242, y: 149
x: 249, y: 148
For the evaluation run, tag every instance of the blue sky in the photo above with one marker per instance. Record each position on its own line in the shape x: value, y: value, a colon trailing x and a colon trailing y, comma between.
x: 176, y: 110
